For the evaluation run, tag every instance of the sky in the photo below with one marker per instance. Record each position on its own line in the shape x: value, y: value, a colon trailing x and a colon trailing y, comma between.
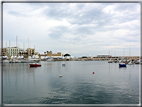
x: 80, y: 29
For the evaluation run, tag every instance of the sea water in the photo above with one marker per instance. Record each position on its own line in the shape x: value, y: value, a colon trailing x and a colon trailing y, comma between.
x: 109, y: 84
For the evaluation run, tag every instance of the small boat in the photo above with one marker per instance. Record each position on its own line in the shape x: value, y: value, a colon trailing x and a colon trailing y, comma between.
x: 27, y: 61
x: 5, y: 61
x: 51, y: 59
x: 130, y: 63
x: 17, y: 61
x: 110, y: 61
x: 35, y: 65
x: 122, y: 65
x: 63, y: 64
x: 12, y: 61
x: 60, y: 75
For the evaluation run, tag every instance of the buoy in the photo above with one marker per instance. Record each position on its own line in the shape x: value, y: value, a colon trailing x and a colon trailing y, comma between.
x: 93, y: 72
x: 60, y: 75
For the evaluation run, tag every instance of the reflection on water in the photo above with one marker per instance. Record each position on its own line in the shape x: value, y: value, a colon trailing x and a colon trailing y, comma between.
x: 42, y: 85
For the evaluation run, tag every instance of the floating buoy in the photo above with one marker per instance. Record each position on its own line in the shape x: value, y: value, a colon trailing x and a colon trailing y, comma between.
x: 60, y: 75
x: 93, y: 72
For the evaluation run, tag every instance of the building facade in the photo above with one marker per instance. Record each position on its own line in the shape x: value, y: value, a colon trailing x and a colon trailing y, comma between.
x: 31, y: 51
x: 3, y: 52
x: 28, y: 52
x: 49, y: 53
x: 12, y: 51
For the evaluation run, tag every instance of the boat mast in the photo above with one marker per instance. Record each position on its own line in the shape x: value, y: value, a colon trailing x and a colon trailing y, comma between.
x: 9, y: 48
x: 28, y: 42
x: 16, y: 42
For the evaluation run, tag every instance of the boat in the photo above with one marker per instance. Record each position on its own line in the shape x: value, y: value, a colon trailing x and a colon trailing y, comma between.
x: 17, y: 61
x: 130, y: 63
x: 122, y: 65
x: 27, y: 61
x: 34, y: 60
x: 35, y: 65
x: 110, y: 61
x: 50, y: 59
x: 60, y: 76
x: 12, y: 61
x: 63, y: 64
x: 115, y: 61
x: 6, y: 61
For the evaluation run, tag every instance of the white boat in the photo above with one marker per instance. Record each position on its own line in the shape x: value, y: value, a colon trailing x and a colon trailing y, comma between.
x: 50, y: 59
x: 120, y: 61
x: 130, y: 63
x: 17, y: 61
x: 34, y: 60
x: 12, y: 61
x: 60, y: 76
x: 27, y: 61
x: 6, y: 61
x: 110, y: 61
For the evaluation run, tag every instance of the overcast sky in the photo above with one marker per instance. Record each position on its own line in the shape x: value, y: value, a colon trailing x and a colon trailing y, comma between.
x: 75, y: 28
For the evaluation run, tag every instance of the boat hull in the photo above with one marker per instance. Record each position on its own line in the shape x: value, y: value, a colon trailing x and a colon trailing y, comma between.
x: 35, y: 65
x: 122, y: 65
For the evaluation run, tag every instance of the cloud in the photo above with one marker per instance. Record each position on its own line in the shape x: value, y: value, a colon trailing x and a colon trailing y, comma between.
x: 76, y: 28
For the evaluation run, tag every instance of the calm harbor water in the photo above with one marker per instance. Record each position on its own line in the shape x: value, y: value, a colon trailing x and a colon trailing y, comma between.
x: 42, y: 85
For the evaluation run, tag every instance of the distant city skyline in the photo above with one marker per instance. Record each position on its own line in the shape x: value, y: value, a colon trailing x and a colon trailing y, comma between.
x: 80, y: 29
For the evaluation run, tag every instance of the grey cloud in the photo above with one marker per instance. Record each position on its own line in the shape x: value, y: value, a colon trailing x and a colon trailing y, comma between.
x: 57, y: 32
x: 16, y: 14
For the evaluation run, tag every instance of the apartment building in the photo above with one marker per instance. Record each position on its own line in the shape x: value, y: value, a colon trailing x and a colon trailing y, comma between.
x: 12, y: 51
x: 3, y: 52
x: 31, y: 51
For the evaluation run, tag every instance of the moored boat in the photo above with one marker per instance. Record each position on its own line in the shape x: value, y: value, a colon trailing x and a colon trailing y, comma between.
x: 110, y: 61
x: 50, y: 59
x: 17, y: 61
x: 35, y: 65
x: 6, y: 61
x: 130, y: 63
x: 27, y: 61
x: 122, y: 65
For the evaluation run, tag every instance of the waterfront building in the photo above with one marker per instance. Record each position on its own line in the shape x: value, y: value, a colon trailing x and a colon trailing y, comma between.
x: 28, y: 52
x: 103, y: 55
x: 23, y: 53
x: 49, y: 53
x: 12, y: 51
x: 3, y: 51
x: 31, y: 51
x: 37, y: 53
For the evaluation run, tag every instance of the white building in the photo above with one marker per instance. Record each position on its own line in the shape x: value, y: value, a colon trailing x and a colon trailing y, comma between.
x: 12, y: 51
